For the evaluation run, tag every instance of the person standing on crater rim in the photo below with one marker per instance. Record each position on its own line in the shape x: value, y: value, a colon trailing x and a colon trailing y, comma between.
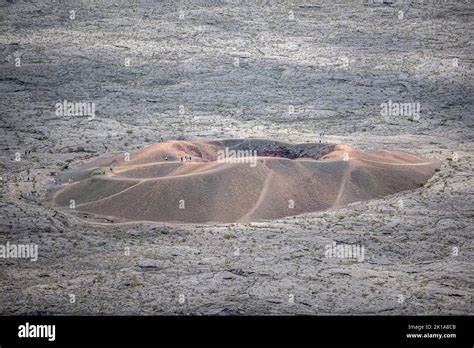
x: 111, y: 166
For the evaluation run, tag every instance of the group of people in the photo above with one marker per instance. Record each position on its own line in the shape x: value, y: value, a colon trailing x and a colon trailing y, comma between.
x: 183, y: 159
x: 23, y: 177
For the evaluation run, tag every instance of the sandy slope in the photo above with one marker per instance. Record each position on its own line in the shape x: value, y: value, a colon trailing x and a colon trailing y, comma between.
x: 154, y: 185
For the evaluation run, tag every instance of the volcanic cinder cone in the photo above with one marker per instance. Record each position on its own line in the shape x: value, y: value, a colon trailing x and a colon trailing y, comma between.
x: 263, y: 180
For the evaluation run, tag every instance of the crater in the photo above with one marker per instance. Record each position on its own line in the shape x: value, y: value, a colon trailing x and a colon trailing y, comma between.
x: 235, y: 180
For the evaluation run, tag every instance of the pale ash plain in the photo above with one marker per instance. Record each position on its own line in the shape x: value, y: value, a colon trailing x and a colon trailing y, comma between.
x: 334, y: 63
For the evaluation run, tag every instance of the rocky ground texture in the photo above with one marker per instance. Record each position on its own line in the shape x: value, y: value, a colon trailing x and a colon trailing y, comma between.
x: 298, y: 71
